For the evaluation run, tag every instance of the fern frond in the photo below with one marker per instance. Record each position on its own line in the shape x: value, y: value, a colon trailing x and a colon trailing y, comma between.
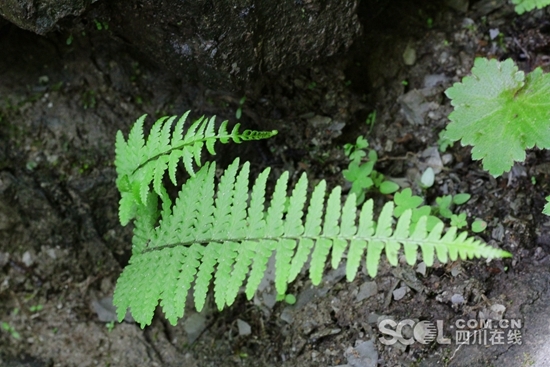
x: 234, y: 236
x: 140, y: 163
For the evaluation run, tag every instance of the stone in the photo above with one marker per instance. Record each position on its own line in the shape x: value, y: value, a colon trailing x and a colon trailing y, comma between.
x: 40, y: 16
x: 367, y: 290
x: 363, y: 355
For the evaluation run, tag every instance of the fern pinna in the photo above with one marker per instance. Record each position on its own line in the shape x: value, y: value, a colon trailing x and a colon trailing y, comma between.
x: 226, y: 232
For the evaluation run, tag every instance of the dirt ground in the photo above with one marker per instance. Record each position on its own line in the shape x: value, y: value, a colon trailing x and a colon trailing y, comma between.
x: 63, y: 98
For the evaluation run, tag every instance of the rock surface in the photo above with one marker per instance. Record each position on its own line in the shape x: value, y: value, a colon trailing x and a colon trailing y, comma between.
x: 222, y: 44
x: 226, y: 43
x: 42, y: 15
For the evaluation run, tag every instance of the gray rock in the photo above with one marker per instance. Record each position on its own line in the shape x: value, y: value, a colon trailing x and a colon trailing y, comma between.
x: 399, y: 293
x: 244, y: 327
x: 457, y: 299
x: 460, y: 5
x: 409, y: 55
x: 415, y: 106
x: 432, y: 80
x: 224, y: 43
x: 367, y: 289
x: 40, y: 16
x: 363, y: 355
x: 106, y: 311
x: 194, y: 325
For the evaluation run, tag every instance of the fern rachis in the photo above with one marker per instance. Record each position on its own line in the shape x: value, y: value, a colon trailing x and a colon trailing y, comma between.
x: 223, y: 231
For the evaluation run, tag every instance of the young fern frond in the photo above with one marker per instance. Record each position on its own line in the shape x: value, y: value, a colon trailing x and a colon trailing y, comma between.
x: 139, y: 162
x: 225, y: 234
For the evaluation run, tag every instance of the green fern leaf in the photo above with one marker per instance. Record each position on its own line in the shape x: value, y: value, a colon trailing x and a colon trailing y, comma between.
x: 230, y: 238
x: 500, y: 112
x: 224, y: 234
x: 138, y: 163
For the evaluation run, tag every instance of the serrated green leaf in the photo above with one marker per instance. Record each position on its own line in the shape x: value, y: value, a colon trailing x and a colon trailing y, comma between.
x: 500, y: 112
x: 546, y: 209
x: 521, y: 6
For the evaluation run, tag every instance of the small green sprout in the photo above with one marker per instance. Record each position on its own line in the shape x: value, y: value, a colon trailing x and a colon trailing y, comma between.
x: 459, y: 220
x: 239, y: 112
x: 443, y: 142
x: 290, y: 299
x: 479, y: 225
x: 428, y: 178
x: 430, y: 22
x: 10, y: 329
x: 362, y: 175
x: 371, y: 119
x: 460, y: 199
x: 36, y: 308
x: 110, y: 326
x: 100, y: 26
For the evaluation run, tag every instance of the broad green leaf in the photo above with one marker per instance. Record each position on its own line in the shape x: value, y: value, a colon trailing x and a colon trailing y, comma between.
x: 479, y: 226
x: 428, y: 178
x: 462, y: 198
x: 388, y: 187
x: 500, y: 112
x: 546, y: 209
x: 522, y: 6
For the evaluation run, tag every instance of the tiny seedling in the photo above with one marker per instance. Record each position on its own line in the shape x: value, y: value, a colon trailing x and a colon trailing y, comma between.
x: 110, y: 326
x: 10, y: 329
x: 442, y: 209
x: 362, y: 175
x: 101, y: 25
x: 288, y: 298
x: 239, y: 112
x: 36, y: 308
x: 459, y: 220
x: 371, y: 119
x: 355, y: 152
x: 404, y: 200
x: 428, y: 178
x: 444, y: 205
x: 479, y: 226
x: 444, y: 142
